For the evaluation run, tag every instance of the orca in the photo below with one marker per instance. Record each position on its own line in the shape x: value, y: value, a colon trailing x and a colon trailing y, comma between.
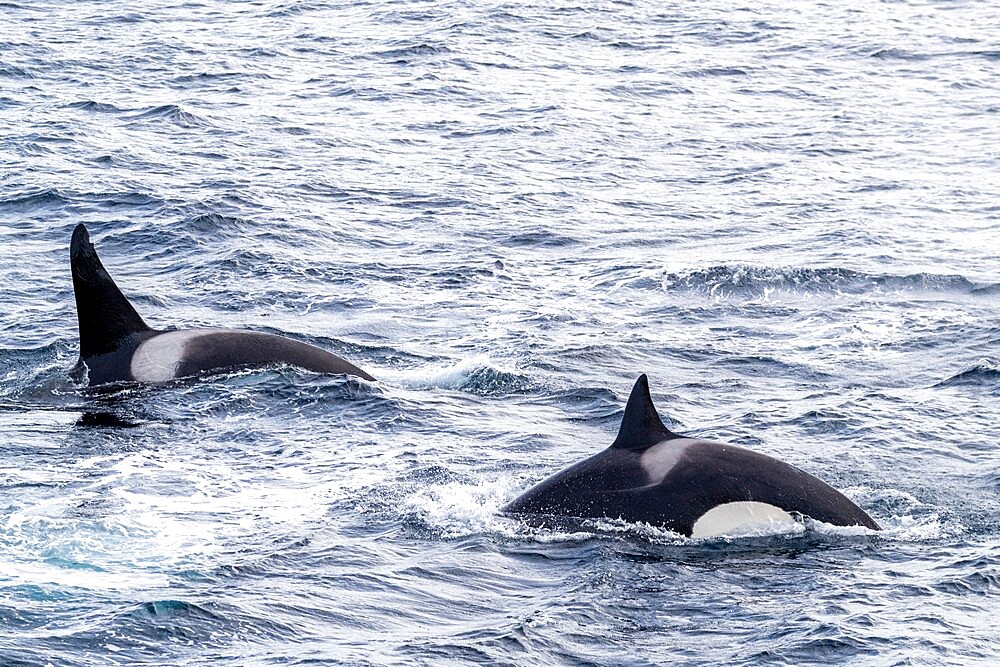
x: 694, y: 487
x: 116, y: 345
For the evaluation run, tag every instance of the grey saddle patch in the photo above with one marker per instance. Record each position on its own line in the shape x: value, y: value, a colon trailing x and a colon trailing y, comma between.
x: 660, y: 459
x: 158, y: 358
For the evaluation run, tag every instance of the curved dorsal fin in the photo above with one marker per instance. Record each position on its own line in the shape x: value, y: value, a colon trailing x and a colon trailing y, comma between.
x: 641, y: 426
x: 104, y: 313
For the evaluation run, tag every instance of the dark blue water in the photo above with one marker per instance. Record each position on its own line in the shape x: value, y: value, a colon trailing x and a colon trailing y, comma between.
x: 785, y: 213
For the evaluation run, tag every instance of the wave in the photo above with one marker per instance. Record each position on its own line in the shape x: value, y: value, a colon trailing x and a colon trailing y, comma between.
x: 52, y: 197
x: 28, y: 201
x: 93, y: 105
x: 403, y: 53
x: 984, y: 374
x: 890, y: 53
x: 596, y: 405
x: 203, y: 77
x: 539, y: 239
x: 293, y: 9
x: 715, y: 71
x: 649, y: 89
x: 987, y: 290
x: 169, y: 113
x: 745, y: 280
x: 488, y: 131
x: 984, y: 581
x: 475, y: 375
x: 216, y: 224
x: 172, y: 608
x: 14, y: 71
x: 148, y: 624
x: 164, y: 112
x: 366, y: 93
x: 38, y: 376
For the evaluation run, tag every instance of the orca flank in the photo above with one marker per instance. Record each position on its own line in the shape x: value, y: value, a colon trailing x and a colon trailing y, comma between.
x: 694, y: 487
x: 117, y: 345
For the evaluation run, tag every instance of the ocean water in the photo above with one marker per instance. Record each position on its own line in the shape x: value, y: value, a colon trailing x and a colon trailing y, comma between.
x: 785, y: 213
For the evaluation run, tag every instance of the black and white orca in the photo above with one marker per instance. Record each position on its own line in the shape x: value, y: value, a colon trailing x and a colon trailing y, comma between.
x: 118, y: 346
x: 693, y: 487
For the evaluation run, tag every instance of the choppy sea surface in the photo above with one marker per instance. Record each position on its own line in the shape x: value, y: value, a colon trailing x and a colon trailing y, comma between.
x: 785, y: 213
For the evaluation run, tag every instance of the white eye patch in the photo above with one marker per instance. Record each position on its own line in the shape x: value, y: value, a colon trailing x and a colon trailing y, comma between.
x: 739, y: 518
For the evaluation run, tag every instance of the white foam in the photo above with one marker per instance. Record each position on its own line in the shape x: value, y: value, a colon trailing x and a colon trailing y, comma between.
x: 242, y: 508
x: 149, y: 512
x: 43, y: 574
x: 911, y: 520
x: 457, y: 510
x: 450, y: 376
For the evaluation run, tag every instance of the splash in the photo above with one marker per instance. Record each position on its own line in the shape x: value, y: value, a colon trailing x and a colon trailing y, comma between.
x: 479, y: 374
x: 455, y: 509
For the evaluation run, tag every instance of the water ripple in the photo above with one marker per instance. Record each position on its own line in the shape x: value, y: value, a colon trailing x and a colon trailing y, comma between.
x: 782, y: 213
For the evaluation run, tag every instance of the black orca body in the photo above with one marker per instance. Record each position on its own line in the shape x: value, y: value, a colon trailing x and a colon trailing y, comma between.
x: 118, y: 346
x: 693, y: 487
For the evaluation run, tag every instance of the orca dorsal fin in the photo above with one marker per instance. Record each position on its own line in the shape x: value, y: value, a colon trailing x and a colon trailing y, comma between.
x: 105, y: 315
x: 641, y: 426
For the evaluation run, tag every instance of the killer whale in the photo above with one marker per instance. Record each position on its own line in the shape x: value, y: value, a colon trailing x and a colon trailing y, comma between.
x: 697, y: 488
x: 117, y: 345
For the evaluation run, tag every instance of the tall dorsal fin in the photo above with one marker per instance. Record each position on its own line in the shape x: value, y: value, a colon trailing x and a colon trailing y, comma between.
x: 641, y: 426
x: 104, y: 313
